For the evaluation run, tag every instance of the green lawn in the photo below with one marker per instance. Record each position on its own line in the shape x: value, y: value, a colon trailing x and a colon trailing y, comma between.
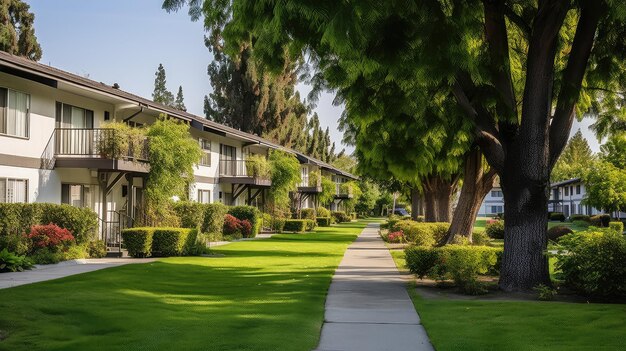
x: 261, y: 295
x: 521, y: 325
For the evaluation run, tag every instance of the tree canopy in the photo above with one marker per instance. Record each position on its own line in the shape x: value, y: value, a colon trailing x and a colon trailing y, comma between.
x: 160, y: 93
x: 575, y: 159
x: 17, y: 31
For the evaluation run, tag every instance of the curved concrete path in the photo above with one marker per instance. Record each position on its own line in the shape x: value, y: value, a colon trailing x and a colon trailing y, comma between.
x: 368, y: 307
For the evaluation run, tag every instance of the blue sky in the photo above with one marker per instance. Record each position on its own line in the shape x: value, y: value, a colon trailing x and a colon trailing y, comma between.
x: 121, y: 41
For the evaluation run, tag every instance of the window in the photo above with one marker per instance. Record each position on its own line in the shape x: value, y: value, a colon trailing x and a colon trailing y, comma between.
x: 13, y: 190
x: 496, y: 193
x: 304, y: 175
x: 566, y: 191
x: 205, y: 145
x: 578, y: 189
x: 497, y: 209
x: 77, y: 195
x: 14, y: 113
x: 204, y: 196
x: 68, y: 116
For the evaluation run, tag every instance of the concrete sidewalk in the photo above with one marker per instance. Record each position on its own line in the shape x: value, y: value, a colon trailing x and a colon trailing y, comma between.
x: 63, y: 269
x: 368, y: 307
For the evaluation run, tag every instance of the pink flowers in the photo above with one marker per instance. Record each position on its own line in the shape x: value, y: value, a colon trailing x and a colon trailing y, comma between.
x: 50, y: 236
x: 396, y: 237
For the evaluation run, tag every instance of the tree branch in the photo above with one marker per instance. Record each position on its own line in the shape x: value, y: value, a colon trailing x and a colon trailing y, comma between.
x: 517, y: 20
x: 573, y: 76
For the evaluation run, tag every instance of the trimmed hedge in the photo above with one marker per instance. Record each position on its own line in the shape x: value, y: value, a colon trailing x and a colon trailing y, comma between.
x: 138, y: 241
x: 310, y: 225
x: 340, y: 217
x: 323, y: 212
x: 558, y: 231
x: 579, y: 217
x: 557, y: 216
x: 249, y: 213
x: 422, y: 234
x: 617, y: 226
x: 460, y: 263
x: 308, y: 213
x: 173, y: 241
x: 213, y: 221
x: 323, y: 221
x: 299, y: 225
x: 191, y: 214
x: 17, y: 219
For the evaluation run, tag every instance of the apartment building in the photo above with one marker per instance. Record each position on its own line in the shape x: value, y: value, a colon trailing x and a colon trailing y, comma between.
x: 51, y: 122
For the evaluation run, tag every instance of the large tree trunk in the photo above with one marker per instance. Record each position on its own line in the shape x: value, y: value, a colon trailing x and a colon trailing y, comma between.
x: 416, y: 203
x: 430, y: 213
x: 437, y: 194
x: 476, y: 185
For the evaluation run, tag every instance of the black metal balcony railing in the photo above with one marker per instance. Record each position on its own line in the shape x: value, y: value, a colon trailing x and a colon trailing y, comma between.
x: 99, y: 143
x: 239, y: 168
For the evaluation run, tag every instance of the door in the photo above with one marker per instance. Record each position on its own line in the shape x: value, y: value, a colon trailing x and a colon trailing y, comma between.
x: 227, y: 160
x: 76, y: 136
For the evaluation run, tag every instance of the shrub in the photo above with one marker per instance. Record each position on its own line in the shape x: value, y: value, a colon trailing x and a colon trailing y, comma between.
x: 579, y: 217
x: 308, y: 213
x: 557, y: 216
x: 422, y: 234
x: 581, y: 223
x: 278, y: 224
x: 340, y: 217
x: 392, y: 220
x: 231, y: 225
x: 245, y: 228
x: 310, y: 224
x: 545, y: 293
x: 296, y: 225
x: 600, y: 220
x: 395, y: 237
x: 45, y: 256
x: 213, y: 220
x: 191, y: 214
x: 96, y: 249
x: 323, y: 221
x: 462, y: 264
x: 138, y: 241
x: 558, y: 231
x: 11, y: 262
x: 323, y: 212
x: 420, y: 219
x: 495, y: 230
x: 50, y: 236
x: 173, y: 241
x: 480, y: 238
x: 617, y: 226
x: 75, y: 252
x: 593, y: 262
x: 249, y: 213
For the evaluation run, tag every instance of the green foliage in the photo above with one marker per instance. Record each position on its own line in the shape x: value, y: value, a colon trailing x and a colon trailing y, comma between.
x: 213, y: 221
x: 96, y: 249
x: 617, y: 226
x: 606, y: 187
x: 285, y: 170
x: 581, y: 223
x: 173, y: 241
x: 160, y: 93
x: 556, y: 232
x: 579, y: 217
x: 323, y: 221
x: 421, y: 234
x: 593, y: 262
x: 545, y: 293
x: 17, y: 219
x: 11, y: 262
x: 340, y: 217
x: 138, y: 241
x: 308, y: 213
x: 480, y: 238
x: 278, y: 224
x: 366, y: 201
x: 179, y: 103
x: 328, y: 191
x: 461, y: 263
x: 297, y: 225
x: 574, y: 160
x: 315, y: 178
x: 600, y: 220
x: 614, y: 149
x: 249, y: 213
x: 557, y: 216
x: 323, y: 212
x: 17, y: 33
x: 173, y: 155
x: 495, y: 229
x: 191, y: 213
x: 121, y: 140
x: 258, y: 166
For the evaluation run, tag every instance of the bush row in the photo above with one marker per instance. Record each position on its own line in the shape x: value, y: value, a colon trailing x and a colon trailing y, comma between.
x: 323, y: 221
x: 209, y: 218
x: 421, y: 233
x: 460, y: 263
x: 299, y: 225
x: 162, y: 242
x: 340, y: 217
x: 17, y: 220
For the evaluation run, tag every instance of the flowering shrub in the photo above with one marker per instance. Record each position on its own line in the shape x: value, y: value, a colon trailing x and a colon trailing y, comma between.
x: 50, y: 236
x: 395, y: 237
x: 234, y: 226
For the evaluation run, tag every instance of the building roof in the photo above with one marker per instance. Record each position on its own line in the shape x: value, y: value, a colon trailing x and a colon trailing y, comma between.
x: 50, y: 76
x: 565, y: 182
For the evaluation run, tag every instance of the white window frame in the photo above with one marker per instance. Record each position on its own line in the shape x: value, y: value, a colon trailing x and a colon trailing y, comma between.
x: 6, y: 114
x: 5, y: 197
x: 206, y: 157
x: 200, y: 196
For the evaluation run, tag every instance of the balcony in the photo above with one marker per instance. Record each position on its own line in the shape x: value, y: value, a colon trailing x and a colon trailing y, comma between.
x: 105, y: 149
x: 242, y: 172
x: 343, y: 192
x: 310, y: 186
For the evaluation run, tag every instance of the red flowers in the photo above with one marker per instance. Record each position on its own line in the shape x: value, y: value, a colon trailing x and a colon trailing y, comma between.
x: 233, y: 225
x: 396, y: 237
x: 50, y: 236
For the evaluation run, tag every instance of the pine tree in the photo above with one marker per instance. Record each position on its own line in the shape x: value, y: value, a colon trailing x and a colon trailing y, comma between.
x: 575, y: 159
x: 17, y: 34
x: 161, y: 94
x: 179, y: 103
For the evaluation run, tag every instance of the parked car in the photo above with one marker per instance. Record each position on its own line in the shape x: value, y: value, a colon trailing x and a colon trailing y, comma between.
x: 401, y: 212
